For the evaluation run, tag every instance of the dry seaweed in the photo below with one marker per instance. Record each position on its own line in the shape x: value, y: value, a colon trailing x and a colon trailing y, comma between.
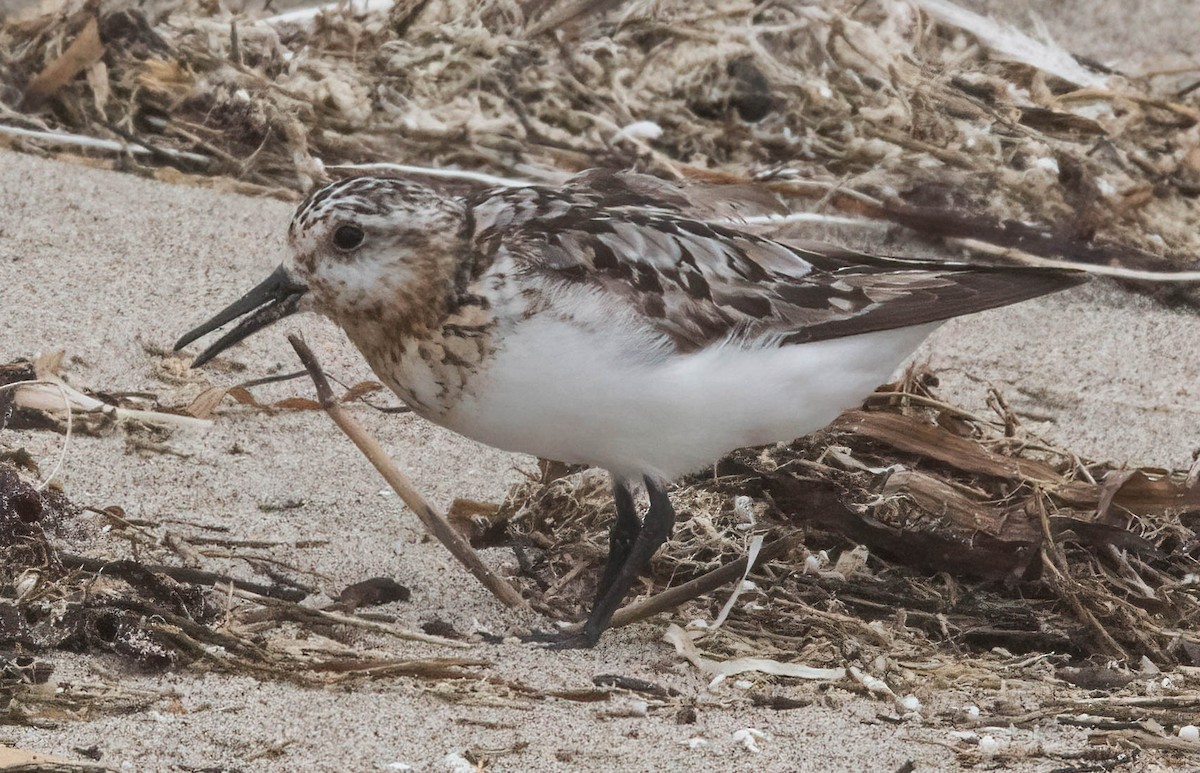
x: 943, y: 110
x: 915, y: 547
x: 157, y: 616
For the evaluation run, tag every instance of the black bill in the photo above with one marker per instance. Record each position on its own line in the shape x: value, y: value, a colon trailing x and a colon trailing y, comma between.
x: 272, y: 300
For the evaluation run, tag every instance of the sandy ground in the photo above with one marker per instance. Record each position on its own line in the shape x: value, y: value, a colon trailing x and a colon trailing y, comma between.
x: 112, y: 268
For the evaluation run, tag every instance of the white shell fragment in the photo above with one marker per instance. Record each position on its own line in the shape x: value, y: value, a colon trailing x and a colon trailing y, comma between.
x: 749, y: 737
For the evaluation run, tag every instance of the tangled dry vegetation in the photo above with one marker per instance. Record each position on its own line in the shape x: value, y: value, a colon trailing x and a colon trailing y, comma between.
x: 917, y: 103
x: 86, y: 578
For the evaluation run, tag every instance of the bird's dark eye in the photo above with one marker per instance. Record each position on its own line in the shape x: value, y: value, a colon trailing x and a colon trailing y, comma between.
x: 347, y: 237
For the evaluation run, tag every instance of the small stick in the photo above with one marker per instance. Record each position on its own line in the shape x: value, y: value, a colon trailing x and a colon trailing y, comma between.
x: 434, y: 521
x: 673, y: 597
x: 187, y: 574
x: 82, y: 140
x: 301, y: 613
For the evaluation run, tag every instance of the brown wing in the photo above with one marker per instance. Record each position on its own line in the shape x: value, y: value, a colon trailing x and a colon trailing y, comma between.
x: 902, y: 298
x: 700, y: 283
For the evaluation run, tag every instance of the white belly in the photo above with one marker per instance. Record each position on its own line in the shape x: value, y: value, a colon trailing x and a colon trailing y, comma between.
x: 565, y: 393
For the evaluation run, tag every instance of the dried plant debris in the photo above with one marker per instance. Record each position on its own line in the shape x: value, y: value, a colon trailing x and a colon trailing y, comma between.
x: 66, y: 583
x: 972, y: 532
x: 932, y: 104
x: 46, y: 604
x: 38, y: 397
x: 156, y: 616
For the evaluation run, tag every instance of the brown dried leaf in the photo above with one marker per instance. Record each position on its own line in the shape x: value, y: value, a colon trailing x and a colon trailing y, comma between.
x: 360, y: 389
x: 83, y: 52
x: 297, y: 404
x: 243, y: 396
x: 1144, y: 491
x: 206, y: 402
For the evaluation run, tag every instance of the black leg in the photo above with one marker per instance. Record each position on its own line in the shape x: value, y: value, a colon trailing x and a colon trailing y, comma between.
x: 660, y: 520
x: 621, y: 537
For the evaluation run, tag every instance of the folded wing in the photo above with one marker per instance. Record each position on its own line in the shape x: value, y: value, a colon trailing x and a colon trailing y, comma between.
x: 701, y: 283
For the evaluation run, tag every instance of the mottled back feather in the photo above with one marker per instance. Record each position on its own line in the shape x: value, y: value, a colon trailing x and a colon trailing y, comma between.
x: 699, y: 283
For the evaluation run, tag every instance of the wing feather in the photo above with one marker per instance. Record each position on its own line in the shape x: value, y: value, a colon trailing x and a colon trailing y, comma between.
x: 699, y: 283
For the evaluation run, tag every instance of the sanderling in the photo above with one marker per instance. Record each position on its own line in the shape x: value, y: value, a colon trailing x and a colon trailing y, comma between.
x: 600, y: 323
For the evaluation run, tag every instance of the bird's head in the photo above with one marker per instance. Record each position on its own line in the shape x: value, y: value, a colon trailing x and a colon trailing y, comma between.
x: 362, y: 248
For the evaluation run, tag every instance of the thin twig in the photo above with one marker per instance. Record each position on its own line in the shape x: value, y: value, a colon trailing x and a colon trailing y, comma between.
x: 299, y: 612
x: 705, y: 583
x: 188, y: 574
x: 1065, y: 586
x: 434, y: 521
x: 1117, y: 272
x: 95, y: 143
x: 863, y: 223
